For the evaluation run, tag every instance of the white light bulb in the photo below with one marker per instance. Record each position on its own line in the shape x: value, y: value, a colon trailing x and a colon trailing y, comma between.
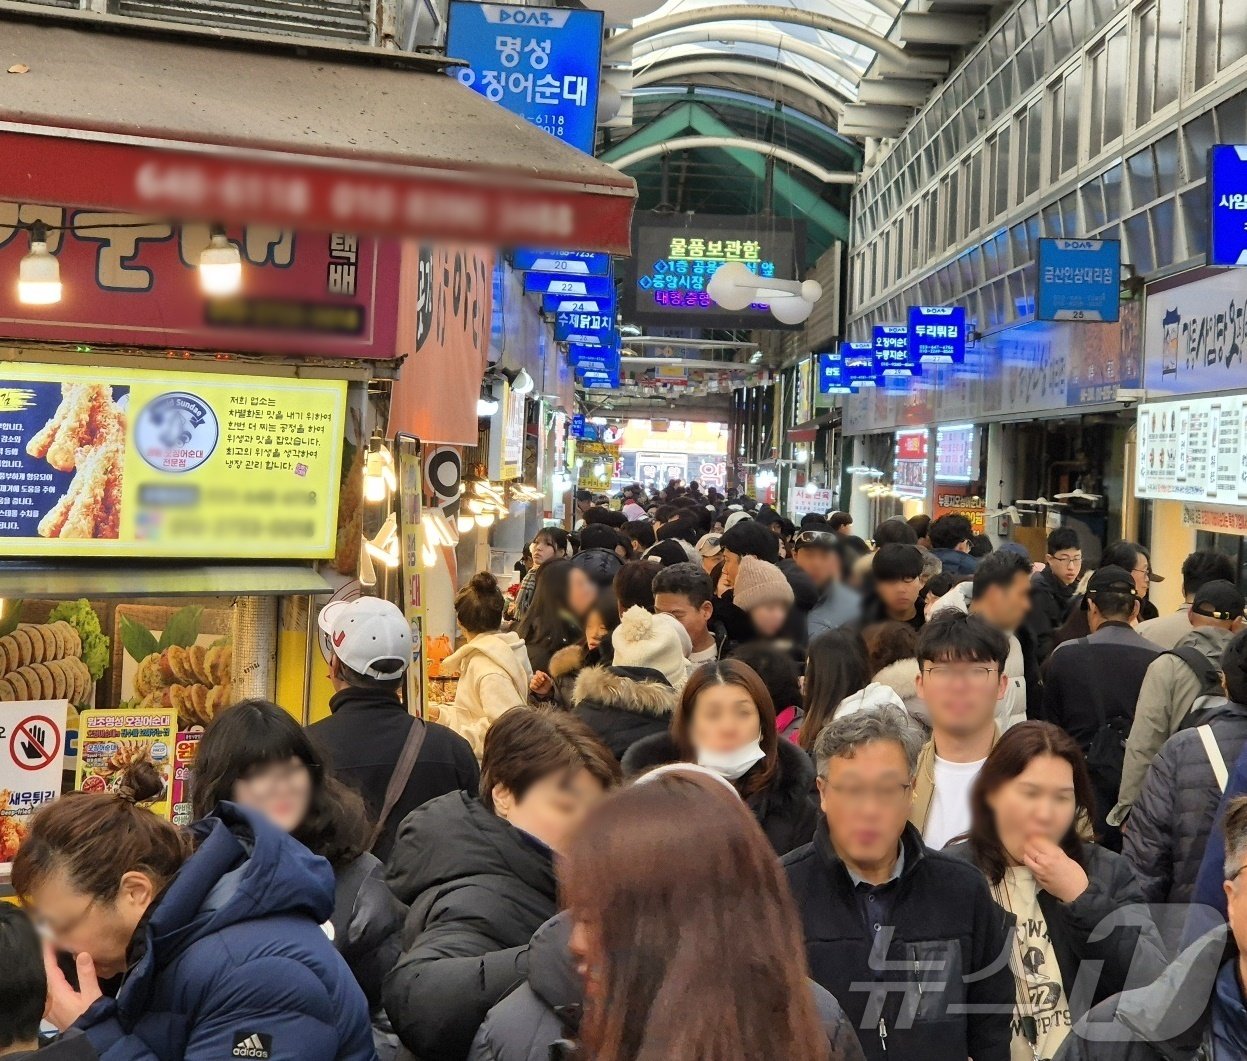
x: 523, y: 383
x: 811, y: 487
x: 220, y: 267
x: 39, y: 276
x: 486, y: 406
x: 464, y: 523
x: 485, y: 519
x: 791, y: 309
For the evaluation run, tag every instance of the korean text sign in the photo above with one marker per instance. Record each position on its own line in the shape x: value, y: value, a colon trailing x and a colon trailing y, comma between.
x: 1227, y: 181
x: 111, y: 741
x: 98, y: 461
x: 135, y: 280
x: 542, y: 63
x: 860, y: 368
x: 1079, y: 280
x: 32, y: 756
x: 937, y: 334
x: 1193, y: 449
x: 832, y: 378
x: 892, y: 353
x: 675, y: 257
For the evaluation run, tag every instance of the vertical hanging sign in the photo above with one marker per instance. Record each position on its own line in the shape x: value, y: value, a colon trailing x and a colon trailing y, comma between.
x: 410, y: 540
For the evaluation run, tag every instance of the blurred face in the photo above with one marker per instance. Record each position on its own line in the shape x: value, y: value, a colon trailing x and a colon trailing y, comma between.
x: 709, y: 563
x: 282, y: 792
x: 79, y: 924
x: 595, y: 630
x: 724, y: 719
x: 542, y: 551
x: 1236, y: 905
x: 1066, y: 564
x: 552, y: 807
x: 1039, y: 802
x: 900, y: 596
x: 866, y: 800
x: 961, y: 697
x: 694, y: 619
x: 822, y: 565
x: 768, y: 619
x: 731, y: 564
x: 581, y: 593
x: 1005, y: 607
x: 1142, y: 575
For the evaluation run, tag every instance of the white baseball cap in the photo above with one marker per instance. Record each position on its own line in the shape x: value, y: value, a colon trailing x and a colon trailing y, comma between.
x: 367, y: 633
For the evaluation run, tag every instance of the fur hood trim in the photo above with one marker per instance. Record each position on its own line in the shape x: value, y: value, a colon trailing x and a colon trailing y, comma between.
x: 604, y: 687
x: 901, y: 677
x: 567, y: 661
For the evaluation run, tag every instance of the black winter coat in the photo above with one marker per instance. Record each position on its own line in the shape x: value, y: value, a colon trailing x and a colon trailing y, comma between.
x: 943, y: 921
x: 478, y: 890
x: 623, y: 705
x: 1051, y: 600
x: 364, y: 736
x: 1128, y: 956
x: 1169, y: 824
x: 525, y: 1024
x: 784, y: 809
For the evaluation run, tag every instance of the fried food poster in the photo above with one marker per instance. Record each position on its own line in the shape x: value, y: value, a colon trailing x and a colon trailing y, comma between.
x: 111, y: 742
x: 100, y: 461
x: 32, y: 758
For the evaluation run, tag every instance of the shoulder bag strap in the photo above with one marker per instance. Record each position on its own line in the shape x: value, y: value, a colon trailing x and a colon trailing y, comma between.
x: 1215, y: 758
x: 402, y: 774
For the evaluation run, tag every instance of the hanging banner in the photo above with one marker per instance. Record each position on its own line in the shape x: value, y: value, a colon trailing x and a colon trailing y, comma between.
x: 1227, y: 185
x: 1079, y: 280
x: 832, y: 378
x: 575, y: 286
x: 1196, y: 336
x: 32, y: 758
x: 410, y: 550
x: 937, y: 334
x: 950, y: 501
x: 587, y: 329
x: 124, y: 462
x: 134, y: 280
x: 892, y: 354
x: 860, y: 367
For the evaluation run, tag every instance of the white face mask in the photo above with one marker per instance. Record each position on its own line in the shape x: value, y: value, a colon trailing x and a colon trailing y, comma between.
x: 736, y: 764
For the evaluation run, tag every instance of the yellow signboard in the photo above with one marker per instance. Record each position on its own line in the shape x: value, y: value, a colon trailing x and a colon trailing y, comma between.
x: 111, y: 743
x: 119, y: 462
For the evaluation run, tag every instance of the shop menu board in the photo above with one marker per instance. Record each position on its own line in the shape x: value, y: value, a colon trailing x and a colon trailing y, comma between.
x: 910, y: 474
x: 32, y: 757
x: 1193, y: 450
x: 185, y: 750
x: 118, y: 462
x: 956, y: 453
x: 112, y: 742
x: 675, y: 257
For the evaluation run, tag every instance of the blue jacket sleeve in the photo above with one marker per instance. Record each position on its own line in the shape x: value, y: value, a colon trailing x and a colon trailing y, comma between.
x: 1208, y: 885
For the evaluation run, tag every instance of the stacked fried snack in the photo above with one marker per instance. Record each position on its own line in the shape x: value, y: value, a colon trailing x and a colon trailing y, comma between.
x: 12, y: 831
x: 86, y: 435
x: 43, y: 662
x: 193, y: 681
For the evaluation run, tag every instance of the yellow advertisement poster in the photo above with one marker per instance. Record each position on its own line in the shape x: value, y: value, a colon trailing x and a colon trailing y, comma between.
x: 112, y: 742
x: 124, y: 462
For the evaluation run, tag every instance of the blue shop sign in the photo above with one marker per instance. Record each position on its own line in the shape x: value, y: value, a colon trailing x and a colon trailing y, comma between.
x: 577, y: 304
x: 1227, y: 182
x: 571, y: 263
x: 597, y: 380
x: 577, y: 353
x: 892, y: 354
x: 937, y: 334
x: 588, y: 329
x: 861, y: 370
x: 1079, y: 280
x: 542, y: 63
x: 560, y: 284
x: 831, y: 376
x: 577, y: 429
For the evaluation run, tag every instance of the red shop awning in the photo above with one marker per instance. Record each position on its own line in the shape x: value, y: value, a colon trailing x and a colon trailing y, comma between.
x: 149, y: 118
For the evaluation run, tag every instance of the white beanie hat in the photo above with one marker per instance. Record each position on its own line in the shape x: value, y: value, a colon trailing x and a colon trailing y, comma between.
x: 735, y: 518
x: 657, y: 642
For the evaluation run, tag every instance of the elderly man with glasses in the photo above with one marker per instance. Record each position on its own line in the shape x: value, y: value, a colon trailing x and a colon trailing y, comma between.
x: 907, y: 939
x: 1052, y: 589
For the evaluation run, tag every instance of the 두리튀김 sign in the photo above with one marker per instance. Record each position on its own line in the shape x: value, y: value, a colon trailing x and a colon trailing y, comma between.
x: 102, y: 461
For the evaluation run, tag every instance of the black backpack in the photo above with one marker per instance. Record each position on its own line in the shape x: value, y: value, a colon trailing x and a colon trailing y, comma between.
x: 1211, y: 687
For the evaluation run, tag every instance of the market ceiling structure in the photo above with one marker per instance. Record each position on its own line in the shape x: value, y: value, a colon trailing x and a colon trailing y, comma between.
x: 741, y: 106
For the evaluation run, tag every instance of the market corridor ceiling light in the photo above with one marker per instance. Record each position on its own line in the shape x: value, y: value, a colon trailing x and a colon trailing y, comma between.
x: 523, y: 383
x: 379, y: 478
x: 220, y: 266
x: 735, y: 287
x: 39, y: 273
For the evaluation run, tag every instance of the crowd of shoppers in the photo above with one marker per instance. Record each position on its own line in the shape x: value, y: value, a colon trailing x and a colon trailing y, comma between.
x: 711, y: 787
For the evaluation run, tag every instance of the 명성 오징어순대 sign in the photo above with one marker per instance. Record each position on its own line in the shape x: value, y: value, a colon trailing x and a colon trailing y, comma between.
x: 122, y: 462
x: 1079, y: 280
x: 542, y: 63
x: 135, y: 280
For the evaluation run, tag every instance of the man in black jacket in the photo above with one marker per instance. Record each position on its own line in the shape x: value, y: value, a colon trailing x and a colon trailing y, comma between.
x: 908, y: 940
x: 369, y: 642
x: 1052, y: 589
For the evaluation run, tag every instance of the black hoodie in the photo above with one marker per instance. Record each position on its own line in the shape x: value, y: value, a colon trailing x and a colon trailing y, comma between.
x: 478, y: 889
x: 624, y: 704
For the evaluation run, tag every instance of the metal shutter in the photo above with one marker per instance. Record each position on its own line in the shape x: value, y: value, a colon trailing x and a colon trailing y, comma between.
x: 342, y: 20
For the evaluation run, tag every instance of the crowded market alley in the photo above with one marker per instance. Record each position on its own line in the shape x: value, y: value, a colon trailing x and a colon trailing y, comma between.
x: 623, y: 530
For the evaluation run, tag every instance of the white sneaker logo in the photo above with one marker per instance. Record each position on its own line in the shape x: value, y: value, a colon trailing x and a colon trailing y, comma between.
x: 255, y: 1047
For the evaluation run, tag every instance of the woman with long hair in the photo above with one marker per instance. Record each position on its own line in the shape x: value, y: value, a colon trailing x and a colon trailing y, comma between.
x: 215, y: 933
x: 556, y: 617
x: 725, y: 721
x: 1028, y: 806
x: 549, y: 543
x: 685, y: 934
x: 837, y: 681
x: 258, y: 756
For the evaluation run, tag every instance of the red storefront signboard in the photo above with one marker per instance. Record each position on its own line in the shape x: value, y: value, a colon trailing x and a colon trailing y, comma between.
x: 130, y: 280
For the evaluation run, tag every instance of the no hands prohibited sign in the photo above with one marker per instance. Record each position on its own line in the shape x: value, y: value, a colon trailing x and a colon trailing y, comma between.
x: 35, y: 743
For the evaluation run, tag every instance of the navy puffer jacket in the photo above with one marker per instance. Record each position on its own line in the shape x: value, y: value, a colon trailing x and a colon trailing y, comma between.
x: 232, y: 962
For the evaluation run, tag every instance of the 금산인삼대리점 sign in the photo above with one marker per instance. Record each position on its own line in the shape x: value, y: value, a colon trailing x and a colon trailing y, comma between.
x: 102, y: 461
